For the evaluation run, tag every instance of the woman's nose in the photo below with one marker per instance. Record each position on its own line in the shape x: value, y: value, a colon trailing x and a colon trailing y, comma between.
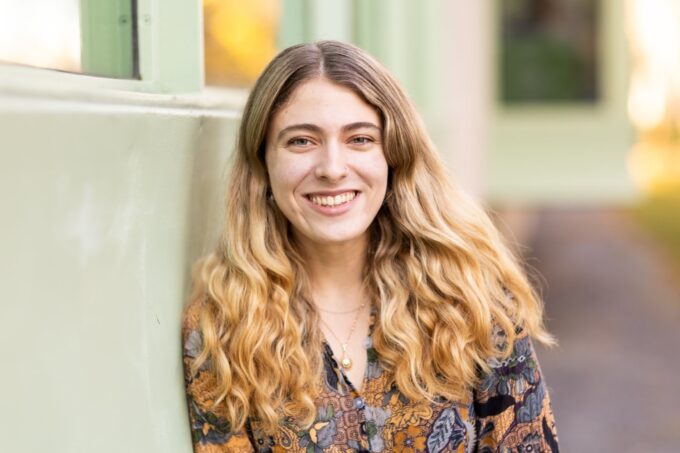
x: 332, y: 164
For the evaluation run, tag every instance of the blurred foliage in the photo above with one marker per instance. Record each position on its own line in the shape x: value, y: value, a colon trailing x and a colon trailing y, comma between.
x: 660, y: 214
x: 654, y: 161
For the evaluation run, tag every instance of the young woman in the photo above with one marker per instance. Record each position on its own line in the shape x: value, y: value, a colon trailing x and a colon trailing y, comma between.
x: 356, y: 300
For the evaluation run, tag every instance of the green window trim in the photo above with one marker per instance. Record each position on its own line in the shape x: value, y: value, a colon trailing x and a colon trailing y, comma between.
x: 108, y: 31
x: 169, y: 56
x: 171, y: 45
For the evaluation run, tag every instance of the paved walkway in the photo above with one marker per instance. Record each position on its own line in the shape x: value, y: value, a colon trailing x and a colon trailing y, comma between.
x: 613, y: 300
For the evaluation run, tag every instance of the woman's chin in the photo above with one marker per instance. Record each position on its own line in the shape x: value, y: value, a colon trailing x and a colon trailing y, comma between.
x: 331, y: 238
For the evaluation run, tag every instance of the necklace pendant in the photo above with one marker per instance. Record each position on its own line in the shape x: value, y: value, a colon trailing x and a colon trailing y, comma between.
x: 346, y: 363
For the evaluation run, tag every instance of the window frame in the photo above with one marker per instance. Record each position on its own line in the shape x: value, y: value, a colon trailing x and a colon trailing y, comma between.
x: 169, y: 51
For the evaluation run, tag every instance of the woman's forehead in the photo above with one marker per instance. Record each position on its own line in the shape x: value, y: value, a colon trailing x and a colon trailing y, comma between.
x: 322, y: 102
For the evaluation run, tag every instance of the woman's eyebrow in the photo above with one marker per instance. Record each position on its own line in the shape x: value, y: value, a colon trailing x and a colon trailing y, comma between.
x: 302, y: 126
x: 314, y: 128
x: 360, y: 125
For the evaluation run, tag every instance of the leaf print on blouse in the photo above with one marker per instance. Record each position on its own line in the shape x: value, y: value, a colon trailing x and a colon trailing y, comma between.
x: 449, y: 430
x: 532, y: 406
x: 320, y: 435
x: 373, y: 368
x: 376, y: 418
x: 207, y: 428
x: 394, y: 398
x: 514, y: 373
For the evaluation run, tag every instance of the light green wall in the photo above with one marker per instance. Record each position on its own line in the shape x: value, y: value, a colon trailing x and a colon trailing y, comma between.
x: 109, y: 192
x: 171, y: 45
x: 105, y: 204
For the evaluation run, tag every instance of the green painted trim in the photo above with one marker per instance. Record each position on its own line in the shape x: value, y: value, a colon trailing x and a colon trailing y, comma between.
x: 406, y: 38
x: 169, y: 49
x: 26, y: 88
x: 295, y: 25
x: 611, y: 78
x: 171, y: 45
x: 106, y: 30
x: 365, y: 33
x: 314, y: 20
x: 25, y: 79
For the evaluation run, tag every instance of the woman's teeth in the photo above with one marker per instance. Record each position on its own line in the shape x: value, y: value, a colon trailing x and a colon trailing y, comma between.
x: 333, y: 201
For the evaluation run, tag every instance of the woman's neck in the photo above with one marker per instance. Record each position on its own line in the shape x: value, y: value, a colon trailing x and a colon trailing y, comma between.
x: 336, y: 273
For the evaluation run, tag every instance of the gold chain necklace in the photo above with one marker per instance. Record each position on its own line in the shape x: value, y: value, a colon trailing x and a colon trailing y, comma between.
x: 346, y: 312
x: 345, y: 361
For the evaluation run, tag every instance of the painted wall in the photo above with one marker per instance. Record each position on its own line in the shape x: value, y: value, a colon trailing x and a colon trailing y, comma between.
x: 106, y: 200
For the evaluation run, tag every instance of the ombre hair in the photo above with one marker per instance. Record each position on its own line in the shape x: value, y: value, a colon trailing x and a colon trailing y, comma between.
x: 439, y: 275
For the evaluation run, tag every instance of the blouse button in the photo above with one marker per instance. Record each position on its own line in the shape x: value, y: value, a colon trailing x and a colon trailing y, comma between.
x: 359, y: 403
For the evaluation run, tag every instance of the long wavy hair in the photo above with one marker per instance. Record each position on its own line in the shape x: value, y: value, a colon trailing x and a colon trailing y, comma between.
x: 438, y: 273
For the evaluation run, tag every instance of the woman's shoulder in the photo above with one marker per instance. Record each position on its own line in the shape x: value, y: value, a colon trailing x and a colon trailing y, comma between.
x: 198, y: 302
x: 191, y: 314
x: 512, y: 402
x: 192, y: 337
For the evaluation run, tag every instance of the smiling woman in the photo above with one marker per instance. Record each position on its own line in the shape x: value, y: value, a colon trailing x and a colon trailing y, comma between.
x: 326, y: 165
x: 357, y: 301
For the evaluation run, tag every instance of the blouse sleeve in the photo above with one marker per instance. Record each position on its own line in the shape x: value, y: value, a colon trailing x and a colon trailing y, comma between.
x: 210, y: 429
x: 512, y: 405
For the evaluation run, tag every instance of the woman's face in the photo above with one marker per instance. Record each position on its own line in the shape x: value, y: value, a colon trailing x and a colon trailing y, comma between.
x: 326, y: 165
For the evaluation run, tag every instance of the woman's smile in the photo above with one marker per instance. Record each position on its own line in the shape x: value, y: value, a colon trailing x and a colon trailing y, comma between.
x: 332, y: 200
x: 332, y: 204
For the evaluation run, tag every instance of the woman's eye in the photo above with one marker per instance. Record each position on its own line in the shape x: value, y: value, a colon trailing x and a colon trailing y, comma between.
x: 362, y: 140
x: 299, y: 141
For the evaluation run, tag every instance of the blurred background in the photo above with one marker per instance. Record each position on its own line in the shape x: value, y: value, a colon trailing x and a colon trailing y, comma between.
x: 117, y: 120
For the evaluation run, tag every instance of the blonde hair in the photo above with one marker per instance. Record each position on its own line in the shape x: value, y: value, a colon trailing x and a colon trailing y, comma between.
x: 437, y: 271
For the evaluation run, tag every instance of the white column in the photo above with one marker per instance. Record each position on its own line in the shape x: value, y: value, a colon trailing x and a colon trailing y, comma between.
x: 468, y: 65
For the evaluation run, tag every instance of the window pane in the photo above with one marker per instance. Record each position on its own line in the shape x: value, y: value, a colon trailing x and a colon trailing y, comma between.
x: 43, y: 33
x: 240, y: 39
x: 548, y: 50
x: 90, y: 36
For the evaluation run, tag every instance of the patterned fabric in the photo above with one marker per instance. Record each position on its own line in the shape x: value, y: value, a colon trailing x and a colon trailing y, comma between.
x: 508, y: 412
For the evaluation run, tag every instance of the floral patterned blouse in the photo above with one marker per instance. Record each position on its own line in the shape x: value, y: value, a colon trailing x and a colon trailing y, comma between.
x: 509, y: 412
